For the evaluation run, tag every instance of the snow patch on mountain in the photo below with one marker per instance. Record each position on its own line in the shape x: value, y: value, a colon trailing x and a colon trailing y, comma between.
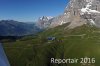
x: 46, y: 18
x: 43, y: 22
x: 89, y: 11
x: 92, y: 22
x: 62, y: 22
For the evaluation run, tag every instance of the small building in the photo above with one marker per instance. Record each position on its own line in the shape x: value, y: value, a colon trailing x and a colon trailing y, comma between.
x: 51, y: 38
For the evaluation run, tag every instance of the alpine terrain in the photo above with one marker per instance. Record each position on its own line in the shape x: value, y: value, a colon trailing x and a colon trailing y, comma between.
x: 73, y: 35
x: 44, y: 22
x: 15, y: 28
x: 79, y: 12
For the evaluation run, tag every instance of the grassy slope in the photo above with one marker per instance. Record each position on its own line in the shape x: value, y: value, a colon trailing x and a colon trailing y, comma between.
x: 37, y: 50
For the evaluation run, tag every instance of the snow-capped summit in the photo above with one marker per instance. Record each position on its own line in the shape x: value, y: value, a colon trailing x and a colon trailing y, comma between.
x: 43, y: 22
x: 79, y: 12
x: 45, y: 18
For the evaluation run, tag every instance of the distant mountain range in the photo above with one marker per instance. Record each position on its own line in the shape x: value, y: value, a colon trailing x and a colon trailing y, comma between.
x: 77, y: 13
x: 15, y: 28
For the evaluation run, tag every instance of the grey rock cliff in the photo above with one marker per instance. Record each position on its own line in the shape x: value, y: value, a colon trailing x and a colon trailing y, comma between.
x: 79, y: 12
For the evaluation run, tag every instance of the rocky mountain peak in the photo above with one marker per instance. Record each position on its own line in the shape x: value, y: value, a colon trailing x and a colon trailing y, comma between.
x: 43, y: 22
x: 45, y: 18
x: 79, y: 12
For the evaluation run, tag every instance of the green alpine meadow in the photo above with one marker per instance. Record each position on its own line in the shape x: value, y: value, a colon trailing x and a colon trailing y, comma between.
x: 36, y: 36
x: 80, y: 42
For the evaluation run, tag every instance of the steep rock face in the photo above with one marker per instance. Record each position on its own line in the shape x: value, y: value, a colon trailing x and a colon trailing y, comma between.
x: 79, y: 12
x: 43, y: 22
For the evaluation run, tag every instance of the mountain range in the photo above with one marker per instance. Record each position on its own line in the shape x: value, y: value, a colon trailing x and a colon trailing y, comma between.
x: 15, y: 28
x: 78, y: 13
x: 74, y: 34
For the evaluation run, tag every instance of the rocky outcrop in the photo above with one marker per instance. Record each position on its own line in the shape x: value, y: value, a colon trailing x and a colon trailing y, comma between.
x: 79, y: 12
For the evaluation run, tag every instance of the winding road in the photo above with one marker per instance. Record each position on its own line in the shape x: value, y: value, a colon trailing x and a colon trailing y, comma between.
x: 3, y: 57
